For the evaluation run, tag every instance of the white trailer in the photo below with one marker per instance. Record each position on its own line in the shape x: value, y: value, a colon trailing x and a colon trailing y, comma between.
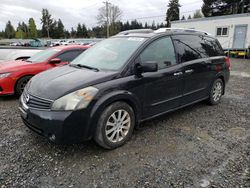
x: 232, y: 31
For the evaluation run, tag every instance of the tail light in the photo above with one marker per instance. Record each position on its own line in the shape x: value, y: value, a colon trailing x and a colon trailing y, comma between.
x: 228, y: 63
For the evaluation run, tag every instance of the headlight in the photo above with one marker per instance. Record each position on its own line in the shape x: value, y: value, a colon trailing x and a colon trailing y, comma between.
x: 76, y: 100
x: 4, y: 75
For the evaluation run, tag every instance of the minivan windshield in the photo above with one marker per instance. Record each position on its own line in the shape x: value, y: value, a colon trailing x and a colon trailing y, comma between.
x: 110, y: 54
x: 43, y: 55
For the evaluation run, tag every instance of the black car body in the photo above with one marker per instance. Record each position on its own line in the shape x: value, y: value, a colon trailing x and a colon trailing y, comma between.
x: 166, y: 71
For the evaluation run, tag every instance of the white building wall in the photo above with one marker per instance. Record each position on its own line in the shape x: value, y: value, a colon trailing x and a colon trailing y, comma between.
x: 210, y: 25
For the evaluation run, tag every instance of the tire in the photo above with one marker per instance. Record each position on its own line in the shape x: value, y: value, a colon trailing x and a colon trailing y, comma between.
x: 216, y: 92
x: 21, y: 83
x: 112, y: 131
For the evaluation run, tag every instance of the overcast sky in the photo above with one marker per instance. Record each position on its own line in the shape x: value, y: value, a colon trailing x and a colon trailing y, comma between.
x: 72, y: 12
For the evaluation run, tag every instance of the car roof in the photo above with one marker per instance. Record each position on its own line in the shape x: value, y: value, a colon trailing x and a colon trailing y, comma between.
x: 149, y: 33
x: 69, y: 47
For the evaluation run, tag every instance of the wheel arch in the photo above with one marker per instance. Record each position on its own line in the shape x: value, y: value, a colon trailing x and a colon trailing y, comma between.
x: 110, y: 98
x: 220, y: 76
x: 19, y: 80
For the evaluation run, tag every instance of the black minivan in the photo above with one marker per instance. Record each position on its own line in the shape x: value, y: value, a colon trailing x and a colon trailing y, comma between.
x: 122, y: 81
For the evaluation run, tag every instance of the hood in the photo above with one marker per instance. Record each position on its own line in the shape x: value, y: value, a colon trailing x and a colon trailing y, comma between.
x: 12, y: 65
x: 57, y: 82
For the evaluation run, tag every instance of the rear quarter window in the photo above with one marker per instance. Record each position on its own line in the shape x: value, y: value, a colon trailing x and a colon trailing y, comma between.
x: 213, y: 47
x: 191, y: 47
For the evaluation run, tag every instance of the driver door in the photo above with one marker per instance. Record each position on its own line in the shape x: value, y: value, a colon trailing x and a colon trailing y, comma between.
x: 162, y: 89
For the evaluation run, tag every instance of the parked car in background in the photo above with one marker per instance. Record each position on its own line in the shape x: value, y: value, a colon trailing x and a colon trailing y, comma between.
x: 57, y: 43
x: 122, y: 81
x: 68, y: 42
x: 7, y: 54
x: 14, y: 75
x: 17, y: 44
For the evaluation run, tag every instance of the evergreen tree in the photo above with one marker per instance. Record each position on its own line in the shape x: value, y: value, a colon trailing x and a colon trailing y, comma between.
x: 2, y: 34
x: 189, y: 17
x: 173, y: 12
x: 225, y: 7
x: 84, y: 31
x: 9, y: 30
x: 47, y: 23
x: 153, y: 26
x: 60, y: 29
x: 19, y: 32
x: 183, y: 18
x: 32, y: 28
x: 79, y: 31
x: 73, y: 33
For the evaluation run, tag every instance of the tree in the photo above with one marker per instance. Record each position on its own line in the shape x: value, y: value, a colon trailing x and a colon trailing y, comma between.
x: 183, y: 18
x: 2, y: 34
x: 32, y: 28
x: 173, y: 12
x: 9, y: 30
x: 19, y: 32
x: 110, y: 15
x: 197, y: 14
x: 59, y: 29
x: 72, y: 33
x: 189, y: 17
x: 47, y: 23
x: 79, y: 31
x: 225, y: 7
x: 84, y: 31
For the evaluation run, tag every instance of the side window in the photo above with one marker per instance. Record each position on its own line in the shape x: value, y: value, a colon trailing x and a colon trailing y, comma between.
x: 161, y: 51
x: 188, y: 47
x: 69, y: 55
x: 212, y: 47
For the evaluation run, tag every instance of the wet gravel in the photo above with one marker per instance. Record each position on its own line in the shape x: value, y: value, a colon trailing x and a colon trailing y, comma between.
x: 199, y: 146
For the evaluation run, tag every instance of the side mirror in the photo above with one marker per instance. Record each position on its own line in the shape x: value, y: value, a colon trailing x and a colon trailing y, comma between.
x: 55, y: 61
x: 150, y: 66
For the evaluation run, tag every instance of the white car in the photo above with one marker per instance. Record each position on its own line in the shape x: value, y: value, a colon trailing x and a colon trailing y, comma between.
x: 69, y: 42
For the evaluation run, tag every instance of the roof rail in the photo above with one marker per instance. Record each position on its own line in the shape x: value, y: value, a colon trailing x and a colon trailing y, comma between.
x: 162, y: 30
x: 136, y: 31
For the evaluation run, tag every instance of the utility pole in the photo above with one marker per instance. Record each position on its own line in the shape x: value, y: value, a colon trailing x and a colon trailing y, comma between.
x: 107, y: 16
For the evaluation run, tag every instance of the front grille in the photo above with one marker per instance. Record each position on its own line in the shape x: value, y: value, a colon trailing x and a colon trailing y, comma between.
x: 36, y: 102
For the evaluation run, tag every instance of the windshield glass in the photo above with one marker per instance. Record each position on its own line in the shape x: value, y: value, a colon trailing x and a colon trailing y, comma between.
x: 110, y: 54
x: 43, y: 55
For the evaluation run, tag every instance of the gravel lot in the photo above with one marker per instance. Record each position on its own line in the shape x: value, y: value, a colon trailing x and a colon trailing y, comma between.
x: 199, y: 146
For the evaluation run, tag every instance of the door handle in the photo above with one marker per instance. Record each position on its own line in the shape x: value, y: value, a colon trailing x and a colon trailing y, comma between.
x: 178, y: 73
x: 189, y: 71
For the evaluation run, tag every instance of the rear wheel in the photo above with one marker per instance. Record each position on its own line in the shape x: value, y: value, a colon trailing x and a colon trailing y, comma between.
x: 216, y: 92
x: 115, y: 125
x: 21, y: 84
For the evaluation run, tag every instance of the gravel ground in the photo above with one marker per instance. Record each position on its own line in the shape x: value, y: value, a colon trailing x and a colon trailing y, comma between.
x: 199, y: 146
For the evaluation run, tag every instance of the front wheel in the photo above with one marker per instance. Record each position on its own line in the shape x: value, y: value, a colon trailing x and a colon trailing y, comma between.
x: 115, y: 125
x: 21, y: 84
x: 216, y: 92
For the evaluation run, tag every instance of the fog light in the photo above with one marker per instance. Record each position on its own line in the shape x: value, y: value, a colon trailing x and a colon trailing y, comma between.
x: 52, y: 137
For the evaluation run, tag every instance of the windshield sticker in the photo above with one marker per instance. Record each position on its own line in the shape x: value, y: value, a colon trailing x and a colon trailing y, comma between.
x: 136, y: 39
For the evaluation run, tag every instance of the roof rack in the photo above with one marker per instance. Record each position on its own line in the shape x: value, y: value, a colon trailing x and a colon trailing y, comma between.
x: 136, y: 31
x: 162, y: 30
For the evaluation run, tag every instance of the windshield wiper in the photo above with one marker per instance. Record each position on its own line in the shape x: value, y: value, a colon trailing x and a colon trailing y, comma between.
x: 28, y: 61
x: 84, y: 66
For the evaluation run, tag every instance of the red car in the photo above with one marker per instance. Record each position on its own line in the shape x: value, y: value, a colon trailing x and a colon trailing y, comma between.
x: 14, y: 75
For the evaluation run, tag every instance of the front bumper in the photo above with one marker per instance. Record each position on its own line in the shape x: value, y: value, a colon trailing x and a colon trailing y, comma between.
x: 58, y: 126
x: 7, y: 86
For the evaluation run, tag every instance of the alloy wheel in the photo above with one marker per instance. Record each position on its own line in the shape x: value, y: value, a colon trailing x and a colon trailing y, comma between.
x: 117, y: 126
